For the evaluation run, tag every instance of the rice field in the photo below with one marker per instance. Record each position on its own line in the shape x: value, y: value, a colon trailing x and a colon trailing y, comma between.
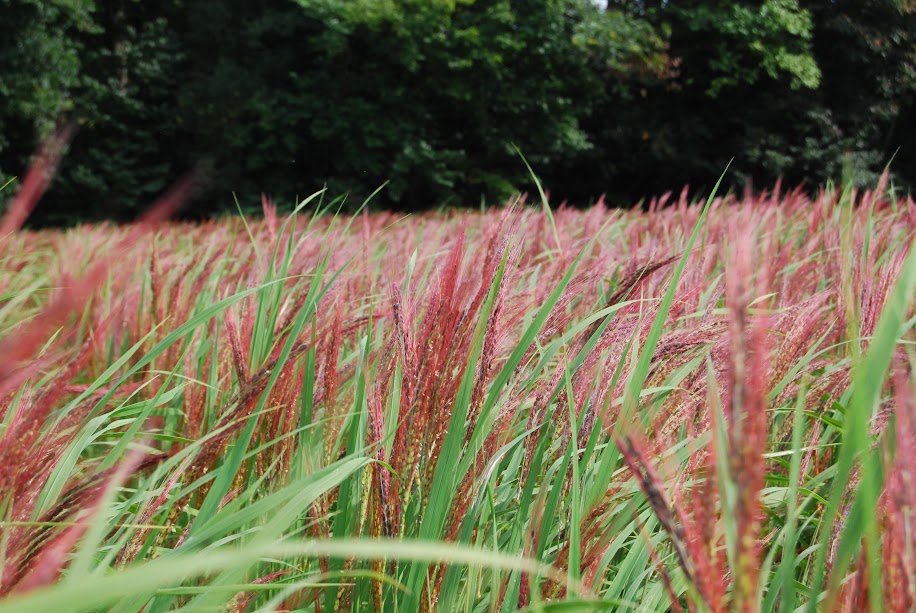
x: 704, y: 407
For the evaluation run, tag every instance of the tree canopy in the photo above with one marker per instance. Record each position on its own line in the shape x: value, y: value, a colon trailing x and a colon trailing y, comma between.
x: 631, y: 98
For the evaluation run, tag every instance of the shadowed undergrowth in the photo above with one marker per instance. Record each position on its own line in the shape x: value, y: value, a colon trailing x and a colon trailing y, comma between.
x: 696, y: 408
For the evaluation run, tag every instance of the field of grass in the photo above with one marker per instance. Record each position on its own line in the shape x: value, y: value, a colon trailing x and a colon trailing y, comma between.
x: 702, y: 408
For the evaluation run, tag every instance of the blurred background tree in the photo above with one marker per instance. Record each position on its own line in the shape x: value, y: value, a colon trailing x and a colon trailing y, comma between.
x: 627, y: 97
x: 39, y: 69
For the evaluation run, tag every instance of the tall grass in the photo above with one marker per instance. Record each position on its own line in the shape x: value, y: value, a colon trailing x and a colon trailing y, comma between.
x: 696, y: 408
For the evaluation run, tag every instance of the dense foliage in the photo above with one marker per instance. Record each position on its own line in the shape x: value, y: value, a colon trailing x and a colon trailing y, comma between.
x: 285, y: 96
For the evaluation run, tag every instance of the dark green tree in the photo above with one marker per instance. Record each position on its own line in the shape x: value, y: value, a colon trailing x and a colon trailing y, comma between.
x: 286, y: 96
x: 430, y: 95
x: 730, y: 66
x: 125, y: 102
x: 241, y: 98
x: 39, y: 67
x: 867, y: 53
x: 806, y: 91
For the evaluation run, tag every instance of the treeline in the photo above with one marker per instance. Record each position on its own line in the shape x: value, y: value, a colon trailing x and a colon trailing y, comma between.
x: 629, y: 99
